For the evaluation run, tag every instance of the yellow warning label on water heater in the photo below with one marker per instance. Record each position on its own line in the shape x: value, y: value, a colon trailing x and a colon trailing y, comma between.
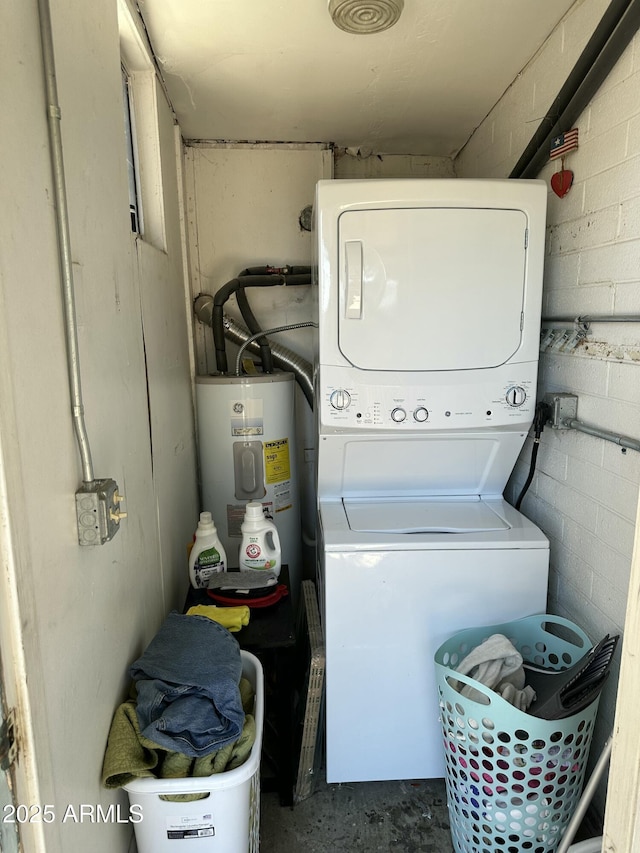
x: 276, y: 461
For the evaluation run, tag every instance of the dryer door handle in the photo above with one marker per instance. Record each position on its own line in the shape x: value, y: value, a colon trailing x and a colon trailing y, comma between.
x: 353, y: 259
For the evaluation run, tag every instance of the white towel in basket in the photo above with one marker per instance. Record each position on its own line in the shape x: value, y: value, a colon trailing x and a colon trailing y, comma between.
x: 497, y: 664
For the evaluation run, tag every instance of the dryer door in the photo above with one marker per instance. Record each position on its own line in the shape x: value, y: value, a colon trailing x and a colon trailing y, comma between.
x: 431, y: 289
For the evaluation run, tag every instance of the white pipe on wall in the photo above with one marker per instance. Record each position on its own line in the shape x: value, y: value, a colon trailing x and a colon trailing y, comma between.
x: 64, y: 243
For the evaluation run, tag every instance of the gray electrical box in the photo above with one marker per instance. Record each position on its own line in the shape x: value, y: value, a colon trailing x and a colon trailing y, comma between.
x: 98, y: 511
x: 564, y: 407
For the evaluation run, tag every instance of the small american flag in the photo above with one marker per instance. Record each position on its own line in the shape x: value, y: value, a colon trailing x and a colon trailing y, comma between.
x: 563, y: 142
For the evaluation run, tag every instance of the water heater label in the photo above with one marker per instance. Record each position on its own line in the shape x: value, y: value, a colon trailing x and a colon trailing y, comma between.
x: 282, y: 498
x: 235, y: 515
x: 247, y: 417
x: 277, y: 465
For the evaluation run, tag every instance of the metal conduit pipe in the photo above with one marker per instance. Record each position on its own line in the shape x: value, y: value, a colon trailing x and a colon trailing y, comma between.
x: 292, y: 275
x: 285, y: 358
x: 622, y: 440
x: 594, y: 318
x: 219, y: 301
x: 286, y: 328
x: 250, y: 321
x: 64, y: 243
x: 610, y: 38
x: 252, y: 277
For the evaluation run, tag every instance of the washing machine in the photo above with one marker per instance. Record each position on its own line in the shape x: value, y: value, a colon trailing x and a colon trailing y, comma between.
x: 428, y: 306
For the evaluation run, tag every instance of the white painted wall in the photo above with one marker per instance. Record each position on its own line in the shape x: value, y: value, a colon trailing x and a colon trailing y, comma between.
x: 243, y: 207
x: 243, y: 204
x: 85, y: 613
x: 585, y: 493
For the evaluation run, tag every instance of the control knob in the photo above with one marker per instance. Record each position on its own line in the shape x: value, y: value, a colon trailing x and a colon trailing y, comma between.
x: 398, y: 415
x: 420, y: 414
x: 516, y: 396
x: 340, y: 399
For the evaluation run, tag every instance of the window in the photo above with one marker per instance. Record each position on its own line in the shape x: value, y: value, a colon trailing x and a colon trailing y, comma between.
x: 135, y: 210
x: 141, y: 111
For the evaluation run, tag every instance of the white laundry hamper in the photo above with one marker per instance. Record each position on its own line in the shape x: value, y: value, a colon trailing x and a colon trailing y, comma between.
x: 226, y: 819
x: 513, y: 780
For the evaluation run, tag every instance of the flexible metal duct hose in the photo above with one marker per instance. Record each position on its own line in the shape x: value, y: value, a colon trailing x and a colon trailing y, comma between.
x: 284, y: 358
x: 274, y: 330
x: 287, y: 275
x: 251, y: 277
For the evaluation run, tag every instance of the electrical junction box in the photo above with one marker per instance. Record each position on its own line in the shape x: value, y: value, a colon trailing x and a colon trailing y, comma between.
x: 564, y: 408
x: 98, y: 511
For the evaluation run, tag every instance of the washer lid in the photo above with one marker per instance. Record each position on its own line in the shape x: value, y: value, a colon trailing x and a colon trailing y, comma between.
x: 422, y: 516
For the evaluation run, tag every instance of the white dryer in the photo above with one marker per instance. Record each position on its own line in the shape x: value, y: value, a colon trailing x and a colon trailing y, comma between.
x: 429, y: 296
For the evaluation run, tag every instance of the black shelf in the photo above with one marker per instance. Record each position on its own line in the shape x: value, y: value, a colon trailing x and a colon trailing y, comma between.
x: 271, y: 637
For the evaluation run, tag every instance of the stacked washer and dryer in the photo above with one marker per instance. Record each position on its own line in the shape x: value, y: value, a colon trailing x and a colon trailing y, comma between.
x: 429, y: 300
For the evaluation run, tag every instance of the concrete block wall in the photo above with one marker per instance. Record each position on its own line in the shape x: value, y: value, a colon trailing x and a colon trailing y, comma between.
x: 585, y: 491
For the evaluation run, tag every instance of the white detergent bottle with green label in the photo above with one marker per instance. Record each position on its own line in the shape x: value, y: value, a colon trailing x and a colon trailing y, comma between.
x: 260, y: 547
x: 207, y: 556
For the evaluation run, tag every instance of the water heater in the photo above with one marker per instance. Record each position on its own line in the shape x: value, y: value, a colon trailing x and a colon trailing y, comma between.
x: 247, y: 452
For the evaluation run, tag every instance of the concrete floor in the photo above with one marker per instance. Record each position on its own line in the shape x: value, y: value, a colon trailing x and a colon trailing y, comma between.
x: 362, y: 817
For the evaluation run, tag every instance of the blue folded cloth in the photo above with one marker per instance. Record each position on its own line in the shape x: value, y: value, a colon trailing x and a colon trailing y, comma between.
x: 187, y: 681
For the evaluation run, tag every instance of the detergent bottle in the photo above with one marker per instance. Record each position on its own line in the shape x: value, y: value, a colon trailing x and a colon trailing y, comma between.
x: 207, y: 556
x: 260, y: 547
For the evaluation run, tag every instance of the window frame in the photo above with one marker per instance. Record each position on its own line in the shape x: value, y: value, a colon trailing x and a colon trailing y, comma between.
x: 142, y: 90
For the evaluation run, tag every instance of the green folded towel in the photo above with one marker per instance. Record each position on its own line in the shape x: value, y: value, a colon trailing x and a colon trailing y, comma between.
x: 129, y: 755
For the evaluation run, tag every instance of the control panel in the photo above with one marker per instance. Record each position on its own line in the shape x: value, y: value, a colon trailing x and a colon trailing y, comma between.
x: 459, y: 405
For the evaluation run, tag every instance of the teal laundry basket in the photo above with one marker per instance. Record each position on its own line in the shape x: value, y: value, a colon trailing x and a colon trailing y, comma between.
x: 513, y: 780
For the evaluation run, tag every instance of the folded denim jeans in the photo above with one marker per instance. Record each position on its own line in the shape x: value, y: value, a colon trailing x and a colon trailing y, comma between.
x: 187, y: 682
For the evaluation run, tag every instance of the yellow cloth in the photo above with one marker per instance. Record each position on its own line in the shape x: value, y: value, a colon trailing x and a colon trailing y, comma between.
x: 231, y: 618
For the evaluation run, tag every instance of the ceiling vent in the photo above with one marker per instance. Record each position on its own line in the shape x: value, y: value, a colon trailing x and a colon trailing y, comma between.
x: 362, y: 17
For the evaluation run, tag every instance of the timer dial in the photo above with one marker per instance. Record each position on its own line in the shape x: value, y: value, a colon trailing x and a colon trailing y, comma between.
x: 340, y: 399
x: 516, y: 396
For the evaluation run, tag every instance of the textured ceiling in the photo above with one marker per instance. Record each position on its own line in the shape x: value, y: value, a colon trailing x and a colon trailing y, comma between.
x: 281, y: 71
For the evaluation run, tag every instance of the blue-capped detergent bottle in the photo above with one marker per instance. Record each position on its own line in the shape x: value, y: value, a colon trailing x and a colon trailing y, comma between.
x: 207, y: 556
x: 260, y: 547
